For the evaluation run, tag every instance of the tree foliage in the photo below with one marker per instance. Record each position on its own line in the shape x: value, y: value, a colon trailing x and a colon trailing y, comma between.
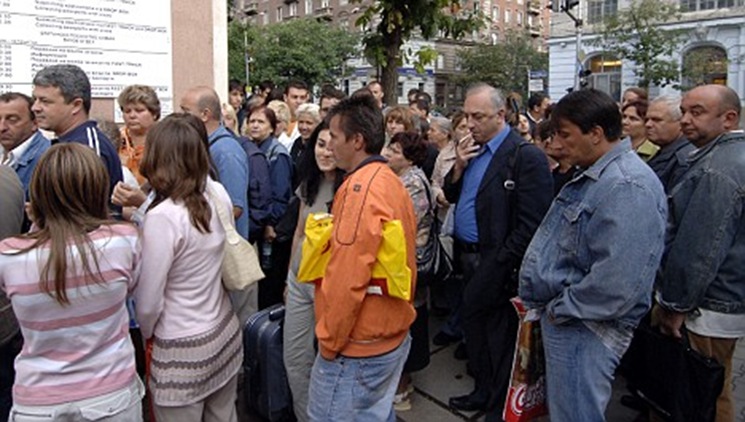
x: 504, y: 65
x: 388, y: 24
x: 635, y: 33
x: 702, y: 64
x: 303, y: 49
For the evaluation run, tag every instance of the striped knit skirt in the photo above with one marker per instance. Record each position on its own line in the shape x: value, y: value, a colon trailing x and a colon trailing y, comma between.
x: 187, y: 370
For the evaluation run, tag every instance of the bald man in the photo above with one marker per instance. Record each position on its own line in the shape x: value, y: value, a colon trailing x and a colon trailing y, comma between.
x: 226, y: 152
x: 702, y: 281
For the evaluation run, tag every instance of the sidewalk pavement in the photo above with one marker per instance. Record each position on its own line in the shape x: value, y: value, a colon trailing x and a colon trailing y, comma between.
x: 446, y: 377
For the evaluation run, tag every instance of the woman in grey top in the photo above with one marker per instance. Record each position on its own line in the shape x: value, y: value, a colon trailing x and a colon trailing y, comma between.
x: 319, y: 179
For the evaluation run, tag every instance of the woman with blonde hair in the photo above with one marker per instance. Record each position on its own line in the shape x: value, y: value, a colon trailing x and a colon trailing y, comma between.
x: 182, y: 306
x: 141, y: 109
x: 67, y: 281
x: 230, y: 118
x: 284, y: 116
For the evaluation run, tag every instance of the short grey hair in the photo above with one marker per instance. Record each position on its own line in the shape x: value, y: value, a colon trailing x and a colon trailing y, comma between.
x: 672, y: 103
x: 70, y: 79
x: 441, y: 122
x: 495, y: 95
x: 309, y: 109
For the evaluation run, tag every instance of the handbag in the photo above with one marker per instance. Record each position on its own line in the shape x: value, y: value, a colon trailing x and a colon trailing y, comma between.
x: 526, y: 394
x: 390, y: 275
x: 240, y: 264
x: 433, y: 262
x: 672, y: 378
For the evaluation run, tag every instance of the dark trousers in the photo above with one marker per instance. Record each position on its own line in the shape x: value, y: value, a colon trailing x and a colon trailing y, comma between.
x: 271, y: 288
x: 8, y: 353
x: 490, y: 327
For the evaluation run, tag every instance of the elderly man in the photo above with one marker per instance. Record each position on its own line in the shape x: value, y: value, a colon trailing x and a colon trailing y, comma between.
x: 62, y: 101
x: 363, y: 332
x: 663, y: 130
x: 21, y: 142
x: 702, y: 279
x: 502, y: 187
x: 226, y: 152
x: 590, y: 267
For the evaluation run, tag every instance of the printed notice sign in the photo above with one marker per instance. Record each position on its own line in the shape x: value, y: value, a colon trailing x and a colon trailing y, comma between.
x: 116, y: 42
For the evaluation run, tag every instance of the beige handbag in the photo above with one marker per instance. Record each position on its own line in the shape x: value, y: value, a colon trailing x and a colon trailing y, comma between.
x: 240, y: 264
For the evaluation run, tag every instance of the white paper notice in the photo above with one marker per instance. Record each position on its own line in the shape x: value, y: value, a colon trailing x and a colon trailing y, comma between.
x: 116, y: 42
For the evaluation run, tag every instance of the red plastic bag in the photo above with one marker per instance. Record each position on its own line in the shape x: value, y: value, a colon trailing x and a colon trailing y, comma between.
x: 526, y: 395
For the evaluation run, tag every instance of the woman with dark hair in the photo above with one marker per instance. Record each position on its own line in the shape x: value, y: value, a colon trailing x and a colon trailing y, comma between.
x: 182, y: 306
x: 634, y: 115
x: 405, y: 153
x: 275, y: 245
x: 398, y: 119
x: 320, y: 180
x: 67, y: 281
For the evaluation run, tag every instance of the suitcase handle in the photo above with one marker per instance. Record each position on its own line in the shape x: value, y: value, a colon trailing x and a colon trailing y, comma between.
x: 277, y: 314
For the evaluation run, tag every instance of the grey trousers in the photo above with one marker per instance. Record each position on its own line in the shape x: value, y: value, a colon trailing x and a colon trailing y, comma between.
x: 299, y: 333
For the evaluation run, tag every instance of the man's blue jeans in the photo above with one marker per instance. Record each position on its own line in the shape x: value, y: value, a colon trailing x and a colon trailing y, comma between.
x: 356, y: 389
x: 579, y: 372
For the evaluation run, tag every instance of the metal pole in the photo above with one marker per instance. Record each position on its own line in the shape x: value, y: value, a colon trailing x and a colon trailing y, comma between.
x: 246, y: 57
x: 578, y: 27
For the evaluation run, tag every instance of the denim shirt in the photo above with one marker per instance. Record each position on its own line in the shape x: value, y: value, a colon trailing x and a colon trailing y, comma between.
x: 595, y: 255
x: 704, y: 262
x: 27, y: 162
x: 232, y: 169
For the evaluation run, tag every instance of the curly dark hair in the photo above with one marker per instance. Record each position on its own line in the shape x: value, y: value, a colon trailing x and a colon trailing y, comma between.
x: 413, y: 146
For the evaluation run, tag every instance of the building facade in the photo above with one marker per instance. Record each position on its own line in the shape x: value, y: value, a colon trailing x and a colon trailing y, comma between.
x: 714, y: 41
x: 499, y: 16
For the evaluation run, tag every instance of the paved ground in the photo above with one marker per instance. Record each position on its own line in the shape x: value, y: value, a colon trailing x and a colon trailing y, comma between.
x: 446, y: 377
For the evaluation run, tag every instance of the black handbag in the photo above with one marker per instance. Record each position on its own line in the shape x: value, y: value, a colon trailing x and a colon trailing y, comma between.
x: 433, y: 262
x: 673, y: 379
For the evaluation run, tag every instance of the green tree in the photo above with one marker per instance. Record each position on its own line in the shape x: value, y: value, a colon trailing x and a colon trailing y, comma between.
x: 238, y: 33
x: 504, y: 65
x: 397, y: 21
x: 637, y: 34
x: 304, y: 49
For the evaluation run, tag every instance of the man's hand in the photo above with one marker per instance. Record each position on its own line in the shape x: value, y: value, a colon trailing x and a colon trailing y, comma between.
x: 127, y: 196
x: 668, y: 321
x: 465, y: 150
x: 269, y: 234
x: 441, y: 201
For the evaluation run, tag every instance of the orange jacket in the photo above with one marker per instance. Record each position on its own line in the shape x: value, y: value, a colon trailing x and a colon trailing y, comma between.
x: 350, y: 321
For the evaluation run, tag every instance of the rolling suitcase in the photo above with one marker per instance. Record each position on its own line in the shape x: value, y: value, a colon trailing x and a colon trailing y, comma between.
x: 266, y: 388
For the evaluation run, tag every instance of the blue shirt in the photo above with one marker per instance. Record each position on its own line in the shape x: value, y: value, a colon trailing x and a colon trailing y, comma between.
x: 232, y: 169
x: 466, y: 228
x: 26, y: 163
x: 595, y: 255
x: 89, y: 134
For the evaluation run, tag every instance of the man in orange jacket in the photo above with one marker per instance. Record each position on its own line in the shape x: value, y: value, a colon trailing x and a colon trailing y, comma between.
x: 363, y: 333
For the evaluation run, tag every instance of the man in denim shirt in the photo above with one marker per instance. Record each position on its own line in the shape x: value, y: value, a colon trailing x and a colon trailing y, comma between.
x: 702, y: 279
x: 590, y: 267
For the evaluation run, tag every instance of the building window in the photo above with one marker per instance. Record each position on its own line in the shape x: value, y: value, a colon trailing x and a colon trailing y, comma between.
x: 265, y: 17
x: 324, y: 4
x: 597, y: 10
x: 704, y: 65
x: 308, y: 7
x: 280, y: 14
x: 519, y: 18
x: 293, y: 9
x: 507, y: 16
x: 400, y: 89
x: 694, y: 5
x: 343, y: 2
x: 606, y: 74
x: 495, y: 14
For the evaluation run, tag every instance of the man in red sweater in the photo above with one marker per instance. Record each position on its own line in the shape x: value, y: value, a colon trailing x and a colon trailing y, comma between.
x: 363, y: 333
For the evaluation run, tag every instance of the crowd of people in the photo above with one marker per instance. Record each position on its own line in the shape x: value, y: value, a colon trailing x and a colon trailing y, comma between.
x: 596, y: 214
